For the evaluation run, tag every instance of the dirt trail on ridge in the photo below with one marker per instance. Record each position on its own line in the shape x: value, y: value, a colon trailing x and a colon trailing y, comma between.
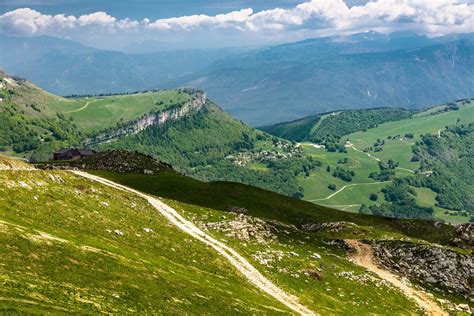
x: 239, y: 262
x: 364, y: 256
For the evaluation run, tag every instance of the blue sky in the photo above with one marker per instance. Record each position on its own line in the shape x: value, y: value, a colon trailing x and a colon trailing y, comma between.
x: 116, y: 24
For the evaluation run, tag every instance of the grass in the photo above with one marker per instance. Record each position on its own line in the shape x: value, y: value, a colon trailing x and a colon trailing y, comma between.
x: 261, y: 203
x: 285, y: 259
x: 316, y: 185
x: 400, y: 150
x: 427, y: 197
x: 102, y: 113
x: 64, y: 257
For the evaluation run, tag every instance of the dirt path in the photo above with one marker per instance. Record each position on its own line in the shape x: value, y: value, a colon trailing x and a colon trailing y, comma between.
x: 239, y: 262
x: 378, y: 159
x: 80, y: 109
x: 348, y: 186
x: 364, y: 256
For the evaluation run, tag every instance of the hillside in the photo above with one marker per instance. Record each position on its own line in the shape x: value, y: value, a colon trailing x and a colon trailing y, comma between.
x: 140, y: 260
x: 361, y: 160
x: 334, y: 125
x: 448, y: 157
x: 187, y: 130
x: 181, y: 127
x: 82, y: 247
x: 280, y: 89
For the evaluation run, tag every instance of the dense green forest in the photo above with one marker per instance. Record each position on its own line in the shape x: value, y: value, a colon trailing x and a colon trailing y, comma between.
x: 297, y: 130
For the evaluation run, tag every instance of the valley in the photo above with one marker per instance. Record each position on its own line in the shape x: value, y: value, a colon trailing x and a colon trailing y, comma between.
x: 309, y: 157
x: 360, y: 157
x: 333, y: 159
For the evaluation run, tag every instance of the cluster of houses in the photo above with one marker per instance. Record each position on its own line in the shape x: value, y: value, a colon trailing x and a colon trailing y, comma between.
x: 244, y: 158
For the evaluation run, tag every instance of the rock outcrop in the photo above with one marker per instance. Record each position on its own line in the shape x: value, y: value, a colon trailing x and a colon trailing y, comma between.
x: 431, y: 265
x: 111, y: 160
x: 151, y: 119
x: 464, y: 235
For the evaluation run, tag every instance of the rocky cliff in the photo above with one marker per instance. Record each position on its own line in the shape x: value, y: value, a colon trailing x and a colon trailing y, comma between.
x: 434, y: 266
x: 150, y: 119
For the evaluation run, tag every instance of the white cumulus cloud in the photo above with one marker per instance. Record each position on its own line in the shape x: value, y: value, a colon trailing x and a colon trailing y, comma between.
x: 431, y: 17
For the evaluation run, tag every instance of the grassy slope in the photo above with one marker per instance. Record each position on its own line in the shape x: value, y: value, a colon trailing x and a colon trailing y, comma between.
x: 37, y: 123
x: 400, y: 150
x: 62, y: 259
x: 100, y: 113
x: 330, y: 292
x: 105, y: 112
x: 315, y: 186
x: 266, y: 204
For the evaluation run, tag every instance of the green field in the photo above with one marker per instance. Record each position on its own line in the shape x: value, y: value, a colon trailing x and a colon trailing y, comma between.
x: 106, y: 112
x: 427, y: 197
x: 65, y: 255
x: 92, y: 113
x: 400, y: 150
x: 316, y: 185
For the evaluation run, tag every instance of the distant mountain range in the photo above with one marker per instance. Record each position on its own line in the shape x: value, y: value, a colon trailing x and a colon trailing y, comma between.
x: 267, y: 85
x: 65, y: 67
x: 285, y: 82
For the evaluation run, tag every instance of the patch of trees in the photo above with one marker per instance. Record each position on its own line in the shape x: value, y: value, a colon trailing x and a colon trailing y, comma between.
x: 343, y: 174
x: 400, y: 203
x: 351, y: 121
x: 447, y: 166
x: 387, y: 171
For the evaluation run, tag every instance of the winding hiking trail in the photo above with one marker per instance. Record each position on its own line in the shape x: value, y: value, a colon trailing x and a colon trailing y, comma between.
x: 364, y: 256
x: 80, y: 109
x: 377, y: 159
x: 239, y: 262
x: 348, y: 186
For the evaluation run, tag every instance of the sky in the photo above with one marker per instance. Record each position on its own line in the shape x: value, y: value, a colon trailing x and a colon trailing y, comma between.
x: 120, y: 24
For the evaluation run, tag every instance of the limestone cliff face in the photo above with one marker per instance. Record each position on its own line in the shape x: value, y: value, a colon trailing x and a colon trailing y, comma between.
x: 151, y: 119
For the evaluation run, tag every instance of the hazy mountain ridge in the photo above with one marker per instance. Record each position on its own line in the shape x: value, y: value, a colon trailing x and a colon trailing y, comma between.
x: 294, y: 80
x: 412, y: 78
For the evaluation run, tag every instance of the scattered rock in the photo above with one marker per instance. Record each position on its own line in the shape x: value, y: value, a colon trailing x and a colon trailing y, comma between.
x: 313, y: 274
x: 432, y: 265
x: 118, y: 232
x: 329, y: 226
x: 464, y: 234
x: 237, y: 210
x: 246, y: 228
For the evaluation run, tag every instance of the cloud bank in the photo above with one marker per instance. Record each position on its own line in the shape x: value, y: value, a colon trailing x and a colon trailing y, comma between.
x: 435, y: 17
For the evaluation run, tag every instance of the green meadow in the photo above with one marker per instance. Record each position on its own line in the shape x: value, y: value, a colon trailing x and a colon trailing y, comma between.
x: 399, y: 149
x: 106, y: 112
